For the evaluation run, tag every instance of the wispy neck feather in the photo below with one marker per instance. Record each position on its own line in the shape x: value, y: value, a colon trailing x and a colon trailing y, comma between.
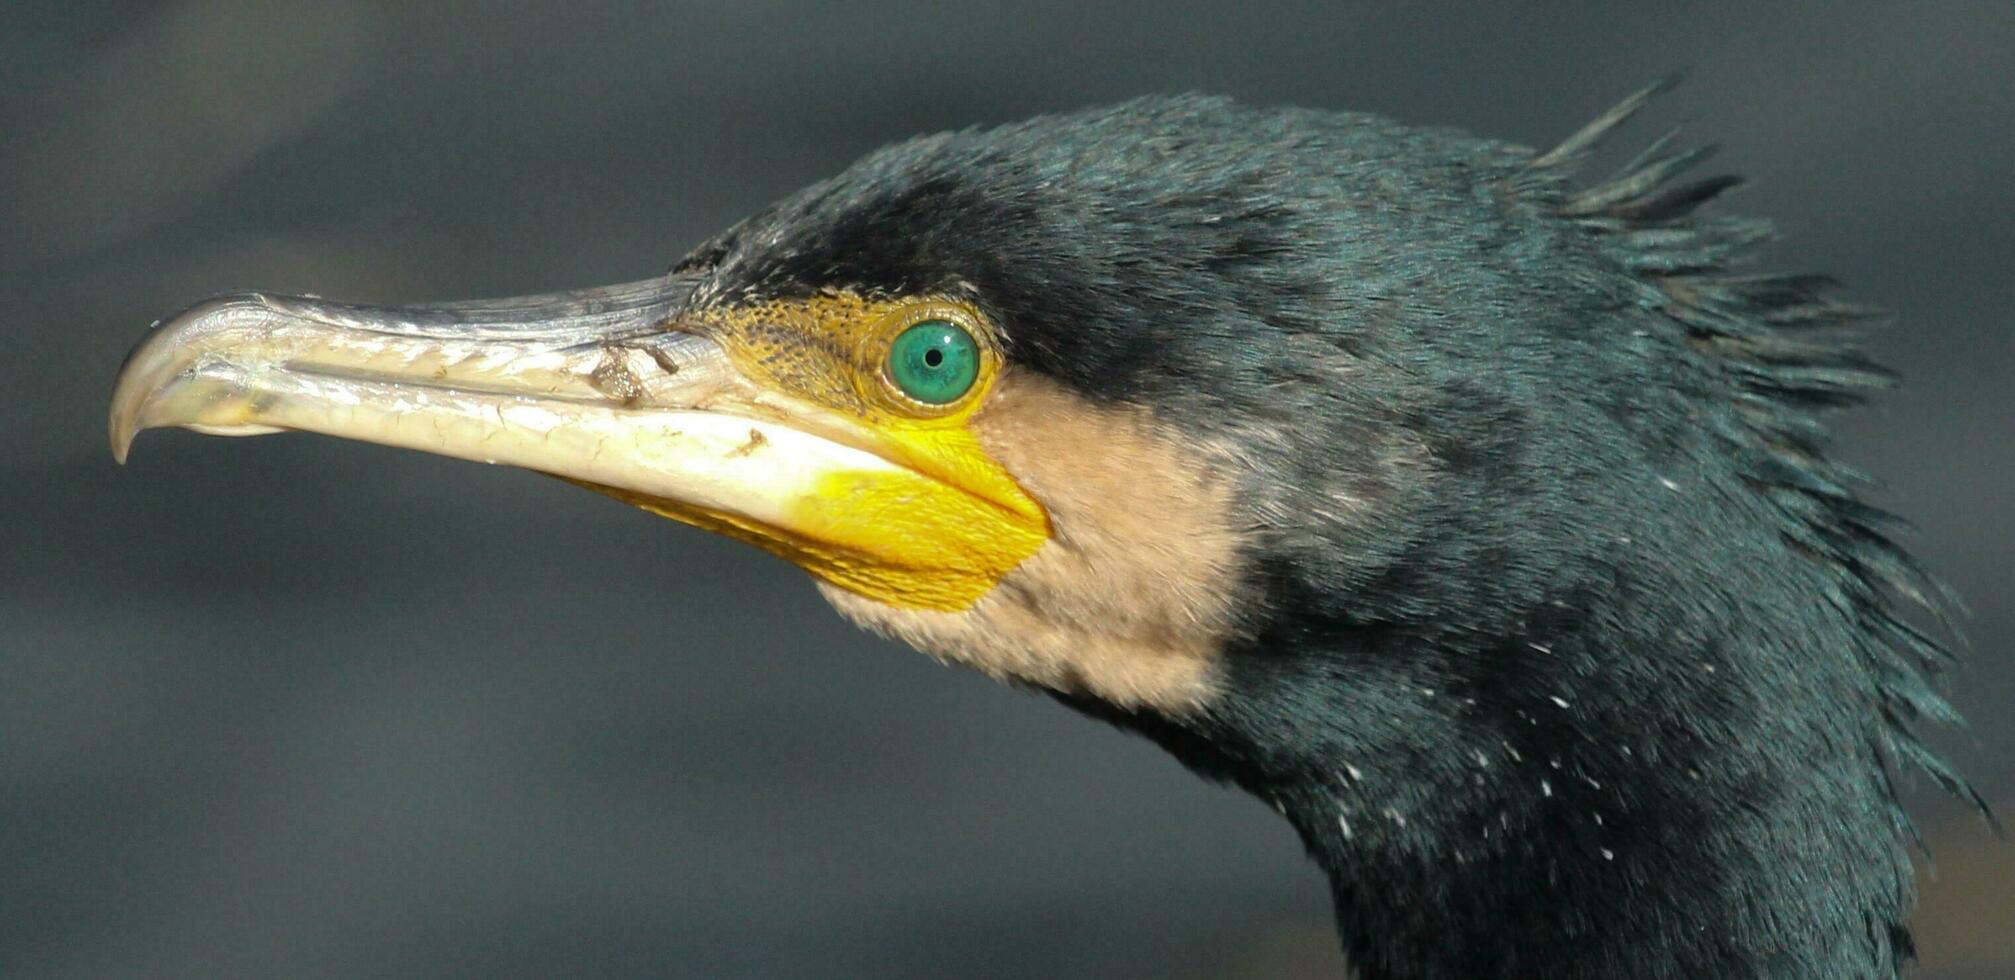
x: 1555, y: 829
x: 1532, y: 819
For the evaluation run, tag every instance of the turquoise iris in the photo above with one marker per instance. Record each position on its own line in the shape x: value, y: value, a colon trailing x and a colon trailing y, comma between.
x: 934, y: 362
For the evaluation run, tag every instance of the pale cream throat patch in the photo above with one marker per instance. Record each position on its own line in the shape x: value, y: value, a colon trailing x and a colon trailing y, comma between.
x: 1130, y: 601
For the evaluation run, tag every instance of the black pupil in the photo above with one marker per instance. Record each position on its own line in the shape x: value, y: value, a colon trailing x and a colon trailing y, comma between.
x: 934, y: 357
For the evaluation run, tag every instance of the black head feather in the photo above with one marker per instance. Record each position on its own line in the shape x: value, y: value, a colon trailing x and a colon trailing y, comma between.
x: 1568, y: 649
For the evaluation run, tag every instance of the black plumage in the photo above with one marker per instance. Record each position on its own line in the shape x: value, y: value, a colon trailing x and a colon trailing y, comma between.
x: 1562, y: 642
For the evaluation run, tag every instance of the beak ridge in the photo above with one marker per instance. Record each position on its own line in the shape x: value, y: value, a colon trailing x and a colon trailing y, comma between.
x: 203, y: 368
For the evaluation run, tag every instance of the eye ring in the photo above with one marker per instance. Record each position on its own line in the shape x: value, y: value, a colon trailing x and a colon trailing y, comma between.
x: 931, y: 359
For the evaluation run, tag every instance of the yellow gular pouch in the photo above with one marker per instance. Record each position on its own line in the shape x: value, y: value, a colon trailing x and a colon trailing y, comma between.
x: 898, y: 379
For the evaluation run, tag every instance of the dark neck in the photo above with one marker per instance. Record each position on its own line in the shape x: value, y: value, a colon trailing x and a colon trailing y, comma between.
x: 1545, y: 808
x: 1693, y: 892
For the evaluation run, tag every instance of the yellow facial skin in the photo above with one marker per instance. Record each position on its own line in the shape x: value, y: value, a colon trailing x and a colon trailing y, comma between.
x: 772, y: 423
x: 937, y: 535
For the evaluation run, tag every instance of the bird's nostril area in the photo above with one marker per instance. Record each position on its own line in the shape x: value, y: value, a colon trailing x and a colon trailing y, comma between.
x: 612, y: 376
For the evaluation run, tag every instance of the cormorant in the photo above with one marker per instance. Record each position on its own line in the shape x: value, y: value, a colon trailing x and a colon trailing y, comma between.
x: 1478, y: 520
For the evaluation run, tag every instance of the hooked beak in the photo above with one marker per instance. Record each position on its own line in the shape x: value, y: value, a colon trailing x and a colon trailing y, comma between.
x: 607, y: 388
x: 254, y: 363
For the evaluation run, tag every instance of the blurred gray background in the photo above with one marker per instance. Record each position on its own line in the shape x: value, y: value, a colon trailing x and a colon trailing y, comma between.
x: 290, y: 707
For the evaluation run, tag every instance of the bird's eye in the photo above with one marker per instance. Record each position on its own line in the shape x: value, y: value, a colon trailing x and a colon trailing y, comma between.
x: 934, y: 362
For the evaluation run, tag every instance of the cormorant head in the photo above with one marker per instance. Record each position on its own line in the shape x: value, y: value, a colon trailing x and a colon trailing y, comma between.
x: 1478, y: 522
x: 1055, y: 399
